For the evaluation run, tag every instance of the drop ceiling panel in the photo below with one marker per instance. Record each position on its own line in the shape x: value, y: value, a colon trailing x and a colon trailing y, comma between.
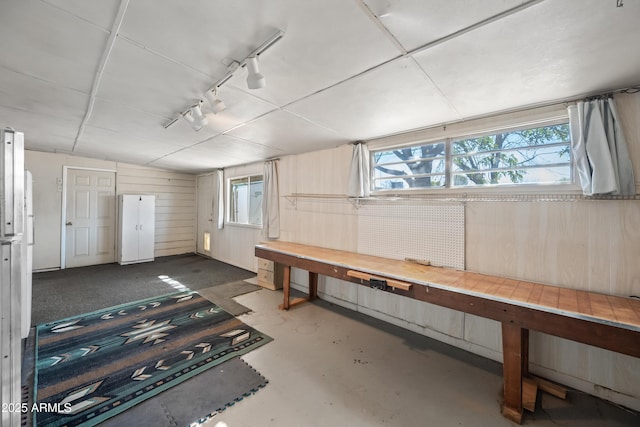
x: 415, y: 23
x: 201, y: 33
x: 125, y: 123
x: 142, y: 80
x: 110, y: 145
x: 325, y: 42
x: 241, y: 108
x: 393, y: 98
x: 98, y: 12
x: 570, y: 55
x: 24, y: 93
x: 218, y: 152
x: 51, y: 133
x: 288, y: 132
x: 48, y: 44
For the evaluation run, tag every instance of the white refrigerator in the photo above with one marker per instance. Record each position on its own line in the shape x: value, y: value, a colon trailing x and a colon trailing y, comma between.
x: 15, y: 268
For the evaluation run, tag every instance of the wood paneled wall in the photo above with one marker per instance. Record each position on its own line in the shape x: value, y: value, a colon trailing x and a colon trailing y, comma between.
x: 175, y: 203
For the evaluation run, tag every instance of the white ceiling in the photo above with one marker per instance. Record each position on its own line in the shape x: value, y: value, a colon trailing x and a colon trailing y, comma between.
x: 102, y: 78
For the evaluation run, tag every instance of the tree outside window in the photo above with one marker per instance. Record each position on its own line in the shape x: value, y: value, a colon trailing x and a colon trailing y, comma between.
x: 538, y: 155
x: 245, y: 200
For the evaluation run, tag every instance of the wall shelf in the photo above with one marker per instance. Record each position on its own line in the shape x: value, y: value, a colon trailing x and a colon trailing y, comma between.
x: 293, y: 197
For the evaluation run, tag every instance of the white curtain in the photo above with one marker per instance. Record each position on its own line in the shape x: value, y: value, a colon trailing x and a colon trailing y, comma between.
x: 599, y: 148
x: 270, y: 201
x: 359, y: 176
x: 220, y: 197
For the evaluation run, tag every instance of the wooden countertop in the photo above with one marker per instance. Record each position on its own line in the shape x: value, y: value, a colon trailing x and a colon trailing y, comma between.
x: 613, y: 310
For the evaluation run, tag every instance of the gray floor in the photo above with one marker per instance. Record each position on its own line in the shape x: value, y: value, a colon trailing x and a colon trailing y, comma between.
x: 64, y: 293
x: 328, y: 366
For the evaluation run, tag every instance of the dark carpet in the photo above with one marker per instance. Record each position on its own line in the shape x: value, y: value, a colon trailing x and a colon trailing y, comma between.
x: 73, y: 291
x: 94, y: 366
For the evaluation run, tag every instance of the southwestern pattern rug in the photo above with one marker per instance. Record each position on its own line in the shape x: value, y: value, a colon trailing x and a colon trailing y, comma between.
x: 94, y: 366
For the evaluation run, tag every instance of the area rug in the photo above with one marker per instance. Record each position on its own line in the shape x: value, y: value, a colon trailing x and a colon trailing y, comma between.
x: 94, y: 366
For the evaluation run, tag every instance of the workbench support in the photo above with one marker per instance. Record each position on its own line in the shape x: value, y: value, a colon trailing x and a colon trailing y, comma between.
x: 313, y: 286
x: 286, y: 289
x: 515, y: 353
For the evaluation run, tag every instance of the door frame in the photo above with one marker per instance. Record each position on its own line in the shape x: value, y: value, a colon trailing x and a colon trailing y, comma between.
x: 210, y: 220
x: 63, y: 216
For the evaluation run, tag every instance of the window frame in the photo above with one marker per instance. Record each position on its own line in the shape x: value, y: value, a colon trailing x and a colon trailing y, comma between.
x: 229, y: 200
x: 570, y: 187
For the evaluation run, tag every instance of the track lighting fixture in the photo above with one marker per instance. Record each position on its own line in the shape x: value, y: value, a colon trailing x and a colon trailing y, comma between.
x: 215, y: 104
x: 188, y: 117
x: 255, y: 80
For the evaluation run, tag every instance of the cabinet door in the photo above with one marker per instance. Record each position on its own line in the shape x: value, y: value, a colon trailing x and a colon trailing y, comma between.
x: 146, y: 227
x: 129, y: 228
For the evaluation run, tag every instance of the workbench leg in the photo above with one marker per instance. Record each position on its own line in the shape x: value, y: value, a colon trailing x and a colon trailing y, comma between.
x: 313, y: 286
x: 286, y: 285
x: 515, y: 349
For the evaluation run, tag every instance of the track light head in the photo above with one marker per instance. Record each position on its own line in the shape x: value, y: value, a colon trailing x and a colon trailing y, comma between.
x: 188, y: 117
x: 196, y: 112
x: 255, y: 80
x: 215, y: 104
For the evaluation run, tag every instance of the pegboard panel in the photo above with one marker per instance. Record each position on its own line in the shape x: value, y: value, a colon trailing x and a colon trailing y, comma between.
x: 433, y: 232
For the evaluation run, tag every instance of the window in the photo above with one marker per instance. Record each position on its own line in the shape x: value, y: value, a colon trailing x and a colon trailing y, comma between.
x: 539, y: 155
x: 420, y: 166
x: 245, y: 200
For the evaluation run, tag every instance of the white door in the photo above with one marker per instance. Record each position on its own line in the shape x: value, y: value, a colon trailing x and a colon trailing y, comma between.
x: 129, y: 220
x: 146, y: 227
x: 205, y: 200
x: 90, y: 217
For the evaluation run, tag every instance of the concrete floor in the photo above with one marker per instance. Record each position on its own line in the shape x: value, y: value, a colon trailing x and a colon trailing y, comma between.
x: 332, y: 367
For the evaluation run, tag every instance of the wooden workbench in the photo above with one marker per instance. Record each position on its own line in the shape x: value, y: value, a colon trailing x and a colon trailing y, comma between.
x: 605, y: 321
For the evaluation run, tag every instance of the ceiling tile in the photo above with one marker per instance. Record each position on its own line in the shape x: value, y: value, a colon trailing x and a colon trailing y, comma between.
x: 46, y: 43
x: 99, y: 12
x: 415, y: 23
x: 110, y: 145
x: 288, y: 133
x: 218, y: 152
x: 393, y: 98
x: 241, y: 107
x: 325, y: 43
x: 144, y: 81
x: 41, y: 132
x: 30, y: 95
x: 125, y: 123
x: 201, y: 33
x: 553, y: 51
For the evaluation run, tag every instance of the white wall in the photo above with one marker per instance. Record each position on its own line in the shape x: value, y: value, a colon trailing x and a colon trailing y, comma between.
x: 175, y: 203
x: 234, y: 243
x: 590, y: 245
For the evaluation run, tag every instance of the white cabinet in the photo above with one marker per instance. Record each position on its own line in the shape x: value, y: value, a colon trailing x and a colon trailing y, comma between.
x: 137, y: 223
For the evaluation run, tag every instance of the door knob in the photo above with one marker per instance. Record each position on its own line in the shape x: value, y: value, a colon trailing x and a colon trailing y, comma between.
x: 69, y: 223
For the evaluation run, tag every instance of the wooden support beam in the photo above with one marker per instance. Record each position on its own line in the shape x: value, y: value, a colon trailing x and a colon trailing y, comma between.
x: 513, y: 346
x: 529, y: 394
x: 313, y: 286
x: 551, y: 388
x: 286, y: 286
